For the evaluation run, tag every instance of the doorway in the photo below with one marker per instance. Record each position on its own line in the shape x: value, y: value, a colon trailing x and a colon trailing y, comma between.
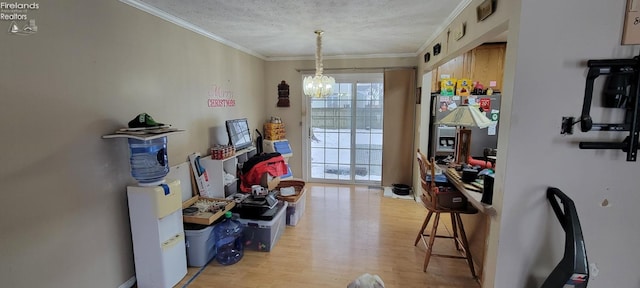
x: 345, y: 131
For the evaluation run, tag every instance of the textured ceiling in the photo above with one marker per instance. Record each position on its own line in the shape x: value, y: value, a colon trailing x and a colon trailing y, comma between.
x: 280, y: 29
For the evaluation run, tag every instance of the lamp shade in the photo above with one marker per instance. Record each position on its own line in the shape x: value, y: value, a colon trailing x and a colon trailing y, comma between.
x: 467, y: 116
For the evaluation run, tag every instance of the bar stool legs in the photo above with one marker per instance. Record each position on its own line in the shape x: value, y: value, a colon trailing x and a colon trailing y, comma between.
x: 432, y: 237
x: 459, y: 237
x: 465, y: 245
x: 455, y: 232
x: 424, y: 226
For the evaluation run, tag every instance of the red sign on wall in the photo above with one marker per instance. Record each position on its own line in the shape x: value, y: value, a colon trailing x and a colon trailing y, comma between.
x: 221, y: 102
x: 485, y: 104
x: 220, y: 97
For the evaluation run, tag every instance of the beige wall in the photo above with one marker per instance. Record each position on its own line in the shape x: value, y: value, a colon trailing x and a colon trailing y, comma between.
x: 91, y: 67
x: 294, y: 117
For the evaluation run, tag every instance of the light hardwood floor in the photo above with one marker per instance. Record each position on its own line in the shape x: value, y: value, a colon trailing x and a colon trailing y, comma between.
x: 345, y: 231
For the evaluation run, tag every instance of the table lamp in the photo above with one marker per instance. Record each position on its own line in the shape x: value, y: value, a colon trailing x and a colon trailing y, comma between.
x: 462, y: 117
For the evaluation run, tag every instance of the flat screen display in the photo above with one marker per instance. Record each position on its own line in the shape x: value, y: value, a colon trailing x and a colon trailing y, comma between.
x: 239, y: 134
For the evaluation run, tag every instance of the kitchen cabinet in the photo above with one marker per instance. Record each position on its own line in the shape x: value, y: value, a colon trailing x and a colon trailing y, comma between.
x: 484, y: 63
x: 487, y: 64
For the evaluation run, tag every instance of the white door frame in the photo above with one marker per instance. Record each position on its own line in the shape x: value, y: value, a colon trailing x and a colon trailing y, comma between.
x: 366, y: 77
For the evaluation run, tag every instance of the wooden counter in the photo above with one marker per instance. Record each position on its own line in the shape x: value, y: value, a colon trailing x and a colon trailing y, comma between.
x: 472, y: 193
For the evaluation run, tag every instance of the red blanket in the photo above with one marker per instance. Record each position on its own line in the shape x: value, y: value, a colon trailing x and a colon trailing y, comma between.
x: 274, y: 166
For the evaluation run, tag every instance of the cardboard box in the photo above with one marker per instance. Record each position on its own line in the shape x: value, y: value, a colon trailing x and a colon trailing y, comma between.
x: 449, y: 197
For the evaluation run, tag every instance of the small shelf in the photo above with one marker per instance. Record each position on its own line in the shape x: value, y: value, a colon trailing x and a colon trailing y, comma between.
x: 142, y: 136
x: 218, y: 168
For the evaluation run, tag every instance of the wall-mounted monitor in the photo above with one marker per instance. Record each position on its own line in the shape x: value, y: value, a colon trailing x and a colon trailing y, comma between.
x: 239, y: 134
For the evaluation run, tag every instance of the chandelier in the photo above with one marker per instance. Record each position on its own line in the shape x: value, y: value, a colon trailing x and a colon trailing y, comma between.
x: 319, y: 85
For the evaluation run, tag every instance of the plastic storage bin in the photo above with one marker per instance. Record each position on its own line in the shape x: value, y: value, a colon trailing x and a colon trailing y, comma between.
x: 260, y: 235
x: 295, y: 210
x: 280, y: 146
x: 201, y: 244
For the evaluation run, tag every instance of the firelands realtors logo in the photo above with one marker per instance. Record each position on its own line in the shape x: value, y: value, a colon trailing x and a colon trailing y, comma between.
x: 17, y: 13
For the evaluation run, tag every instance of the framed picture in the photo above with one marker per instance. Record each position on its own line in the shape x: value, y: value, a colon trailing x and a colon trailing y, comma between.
x: 485, y: 9
x: 436, y: 49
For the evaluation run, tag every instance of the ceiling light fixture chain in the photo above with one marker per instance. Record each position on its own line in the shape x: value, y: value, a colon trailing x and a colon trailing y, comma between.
x: 319, y: 67
x: 319, y: 85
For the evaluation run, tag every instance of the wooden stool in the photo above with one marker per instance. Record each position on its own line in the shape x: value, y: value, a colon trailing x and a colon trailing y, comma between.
x: 429, y: 199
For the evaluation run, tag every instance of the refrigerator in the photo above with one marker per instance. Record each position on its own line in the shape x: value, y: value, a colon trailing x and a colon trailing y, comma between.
x: 442, y: 138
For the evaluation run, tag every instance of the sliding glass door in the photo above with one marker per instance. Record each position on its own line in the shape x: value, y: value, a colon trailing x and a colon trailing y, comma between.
x: 345, y: 134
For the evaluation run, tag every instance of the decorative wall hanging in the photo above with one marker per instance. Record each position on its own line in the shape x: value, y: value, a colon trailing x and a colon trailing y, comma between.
x: 427, y: 57
x: 631, y: 30
x: 436, y: 49
x: 485, y: 9
x: 459, y: 30
x: 220, y: 97
x: 283, y: 94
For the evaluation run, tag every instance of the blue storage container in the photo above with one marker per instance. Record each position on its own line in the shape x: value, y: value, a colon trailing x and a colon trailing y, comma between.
x: 282, y: 147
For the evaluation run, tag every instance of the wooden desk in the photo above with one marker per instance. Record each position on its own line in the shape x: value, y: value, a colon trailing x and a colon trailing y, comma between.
x: 473, y: 196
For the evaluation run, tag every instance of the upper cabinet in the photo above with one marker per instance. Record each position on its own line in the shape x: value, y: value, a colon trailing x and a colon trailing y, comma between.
x: 484, y: 63
x: 487, y: 64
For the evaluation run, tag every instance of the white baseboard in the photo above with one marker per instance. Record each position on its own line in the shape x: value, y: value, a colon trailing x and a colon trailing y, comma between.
x: 129, y: 282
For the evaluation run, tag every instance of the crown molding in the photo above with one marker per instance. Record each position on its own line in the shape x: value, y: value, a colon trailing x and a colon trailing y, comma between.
x: 324, y: 57
x: 456, y: 12
x: 184, y: 24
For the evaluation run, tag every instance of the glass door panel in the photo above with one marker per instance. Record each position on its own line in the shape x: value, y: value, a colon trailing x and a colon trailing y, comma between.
x: 346, y: 133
